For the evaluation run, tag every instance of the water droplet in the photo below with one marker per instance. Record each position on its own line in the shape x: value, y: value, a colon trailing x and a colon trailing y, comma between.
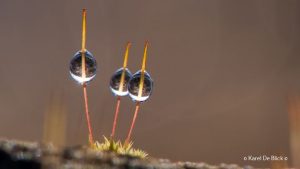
x: 116, y: 80
x: 76, y: 67
x: 134, y: 85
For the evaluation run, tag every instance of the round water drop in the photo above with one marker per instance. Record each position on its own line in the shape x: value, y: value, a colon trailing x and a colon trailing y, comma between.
x: 134, y: 85
x: 76, y: 67
x: 115, y: 82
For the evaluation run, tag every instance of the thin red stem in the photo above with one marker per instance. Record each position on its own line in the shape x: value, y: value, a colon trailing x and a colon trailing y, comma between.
x: 91, y: 138
x: 132, y: 123
x: 116, y: 117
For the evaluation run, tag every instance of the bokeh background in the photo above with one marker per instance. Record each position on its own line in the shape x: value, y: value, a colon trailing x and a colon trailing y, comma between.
x: 223, y: 73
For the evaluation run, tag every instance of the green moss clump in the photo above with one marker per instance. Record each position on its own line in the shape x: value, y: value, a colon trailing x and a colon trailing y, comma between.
x: 119, y: 148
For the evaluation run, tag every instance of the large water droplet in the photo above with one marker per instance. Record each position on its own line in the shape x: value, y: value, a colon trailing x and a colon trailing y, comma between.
x: 115, y: 82
x: 134, y: 85
x: 76, y: 67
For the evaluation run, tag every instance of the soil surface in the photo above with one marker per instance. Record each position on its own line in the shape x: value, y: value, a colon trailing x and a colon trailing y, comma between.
x: 26, y: 155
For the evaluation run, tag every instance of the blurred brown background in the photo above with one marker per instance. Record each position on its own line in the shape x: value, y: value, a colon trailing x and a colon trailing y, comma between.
x: 223, y: 71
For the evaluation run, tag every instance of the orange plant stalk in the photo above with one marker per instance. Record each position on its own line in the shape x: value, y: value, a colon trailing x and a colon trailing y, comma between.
x: 83, y: 66
x: 116, y: 117
x: 122, y: 81
x: 137, y: 107
x: 140, y: 93
x: 91, y: 137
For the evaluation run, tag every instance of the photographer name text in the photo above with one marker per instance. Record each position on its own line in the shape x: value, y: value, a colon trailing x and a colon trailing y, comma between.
x: 265, y: 158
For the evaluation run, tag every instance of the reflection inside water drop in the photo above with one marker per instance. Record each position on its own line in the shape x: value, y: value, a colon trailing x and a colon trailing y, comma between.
x: 115, y: 82
x: 76, y: 67
x: 134, y: 85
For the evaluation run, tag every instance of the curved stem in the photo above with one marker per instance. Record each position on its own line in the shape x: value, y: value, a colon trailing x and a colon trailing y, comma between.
x: 91, y: 138
x: 145, y: 56
x: 141, y: 85
x: 83, y: 41
x: 83, y: 67
x: 126, y: 55
x: 116, y: 117
x: 132, y: 123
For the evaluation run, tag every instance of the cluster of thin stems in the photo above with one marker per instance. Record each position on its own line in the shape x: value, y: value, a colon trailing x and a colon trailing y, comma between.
x: 122, y: 81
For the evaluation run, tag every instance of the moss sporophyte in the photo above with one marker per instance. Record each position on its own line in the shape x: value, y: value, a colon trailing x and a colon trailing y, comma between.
x: 83, y: 69
x: 122, y: 83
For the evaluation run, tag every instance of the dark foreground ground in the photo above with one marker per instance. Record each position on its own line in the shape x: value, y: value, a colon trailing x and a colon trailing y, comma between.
x: 21, y: 155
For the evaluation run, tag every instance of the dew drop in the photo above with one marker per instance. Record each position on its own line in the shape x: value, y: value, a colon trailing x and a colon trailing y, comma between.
x: 134, y: 85
x: 115, y: 82
x: 76, y: 67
